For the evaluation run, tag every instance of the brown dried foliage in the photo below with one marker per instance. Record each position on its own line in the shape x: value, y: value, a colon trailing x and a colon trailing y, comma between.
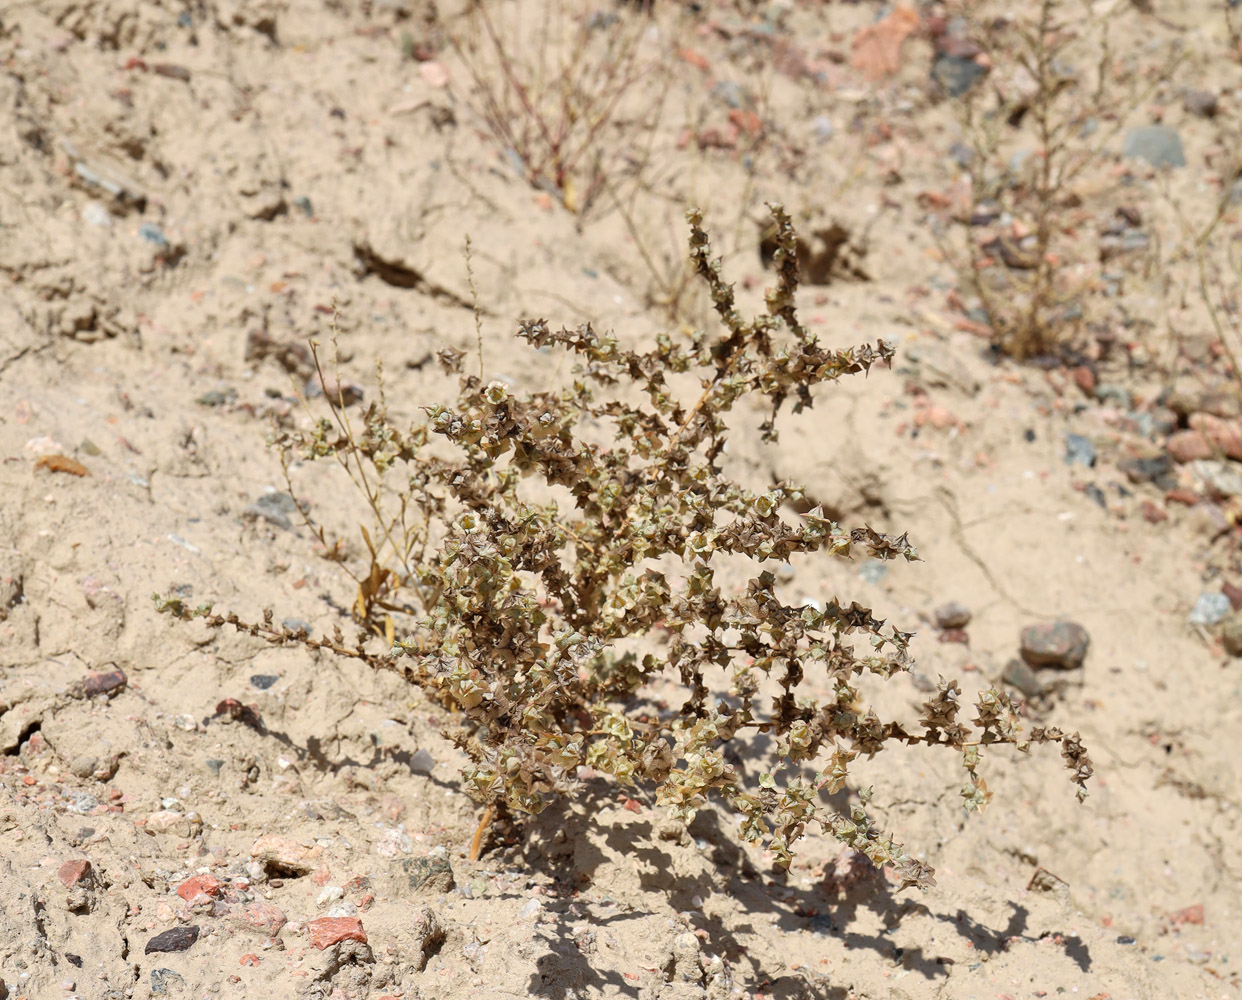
x: 544, y: 624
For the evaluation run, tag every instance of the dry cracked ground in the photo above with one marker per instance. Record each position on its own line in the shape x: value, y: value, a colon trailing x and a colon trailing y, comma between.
x: 190, y: 190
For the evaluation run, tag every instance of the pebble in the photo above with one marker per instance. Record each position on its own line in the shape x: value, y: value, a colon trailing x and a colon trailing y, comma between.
x: 84, y: 765
x: 1202, y: 103
x: 303, y: 204
x: 324, y: 932
x: 431, y: 874
x: 163, y: 979
x: 1019, y: 675
x: 1060, y: 644
x: 1158, y: 145
x: 264, y: 681
x: 266, y: 918
x: 731, y: 94
x: 421, y: 762
x: 952, y: 614
x: 275, y: 508
x: 199, y: 884
x: 93, y: 212
x: 1156, y: 469
x: 112, y: 682
x: 1221, y: 479
x: 1233, y: 593
x: 1079, y: 450
x: 167, y: 821
x: 152, y: 233
x: 74, y: 872
x: 334, y: 391
x: 1231, y: 633
x: 956, y: 74
x: 173, y: 939
x: 286, y: 855
x: 329, y: 894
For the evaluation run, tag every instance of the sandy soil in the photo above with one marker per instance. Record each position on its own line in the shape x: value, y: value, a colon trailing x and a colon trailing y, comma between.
x: 187, y: 192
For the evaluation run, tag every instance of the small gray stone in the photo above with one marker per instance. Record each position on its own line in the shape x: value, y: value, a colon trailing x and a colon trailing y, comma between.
x: 1061, y: 644
x: 275, y: 508
x: 1209, y: 609
x: 421, y: 762
x: 1158, y: 145
x: 953, y: 614
x: 165, y: 982
x: 84, y: 766
x: 152, y: 233
x: 957, y: 74
x: 1018, y: 675
x: 1079, y: 450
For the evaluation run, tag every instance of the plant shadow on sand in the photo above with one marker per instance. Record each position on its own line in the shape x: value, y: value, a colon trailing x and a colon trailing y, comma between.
x: 560, y: 844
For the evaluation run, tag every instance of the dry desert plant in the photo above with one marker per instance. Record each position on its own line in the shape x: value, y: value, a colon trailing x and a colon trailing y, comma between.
x: 1057, y: 98
x: 553, y: 80
x: 541, y: 562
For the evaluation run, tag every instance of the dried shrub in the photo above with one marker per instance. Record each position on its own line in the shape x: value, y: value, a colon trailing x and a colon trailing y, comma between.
x: 1039, y: 134
x: 554, y: 85
x: 544, y: 624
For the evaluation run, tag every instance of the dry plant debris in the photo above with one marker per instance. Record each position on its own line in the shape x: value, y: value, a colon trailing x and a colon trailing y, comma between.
x: 543, y: 622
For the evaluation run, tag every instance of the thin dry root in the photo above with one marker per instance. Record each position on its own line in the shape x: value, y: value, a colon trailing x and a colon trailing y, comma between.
x: 476, y: 842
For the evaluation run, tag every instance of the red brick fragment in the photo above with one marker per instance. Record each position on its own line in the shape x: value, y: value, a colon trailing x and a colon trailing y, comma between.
x: 327, y: 931
x: 1184, y: 496
x: 191, y: 887
x: 250, y: 959
x: 73, y: 872
x: 1153, y: 514
x: 1189, y: 915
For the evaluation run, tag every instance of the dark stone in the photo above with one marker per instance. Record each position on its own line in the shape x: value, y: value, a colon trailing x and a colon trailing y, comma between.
x: 957, y: 74
x: 1018, y: 675
x: 1158, y: 145
x: 431, y: 874
x: 1061, y: 644
x: 110, y: 683
x: 217, y: 397
x: 952, y: 614
x: 173, y: 939
x: 214, y: 766
x: 1231, y: 633
x: 1203, y: 103
x: 1096, y: 494
x: 1157, y: 469
x: 264, y: 681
